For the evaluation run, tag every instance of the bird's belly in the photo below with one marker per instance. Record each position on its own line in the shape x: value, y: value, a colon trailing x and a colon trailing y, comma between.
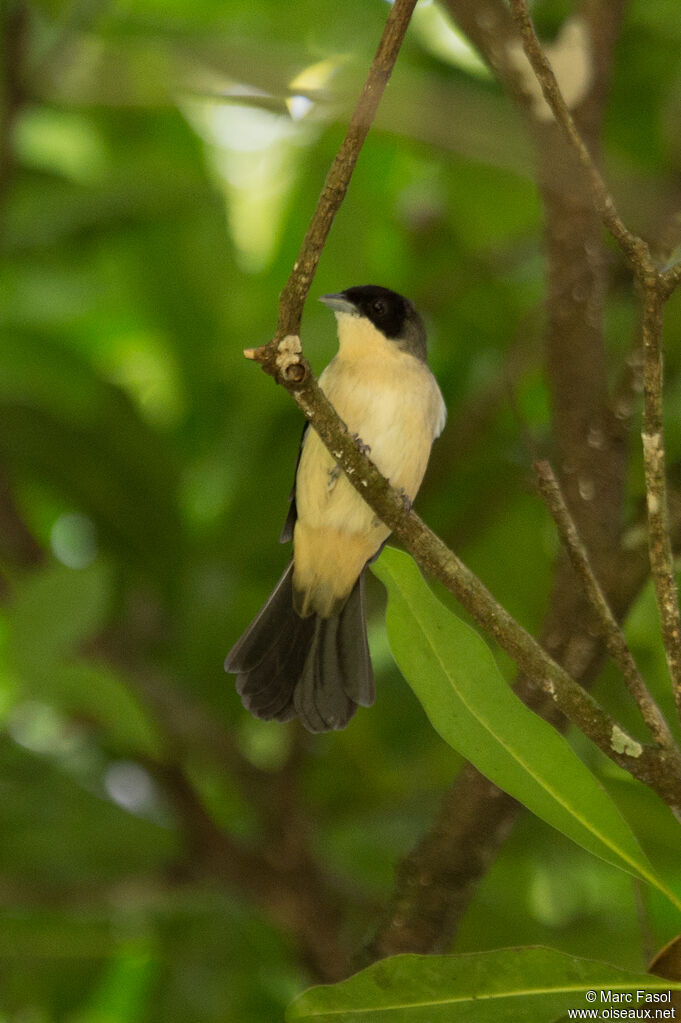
x: 398, y: 431
x: 395, y: 408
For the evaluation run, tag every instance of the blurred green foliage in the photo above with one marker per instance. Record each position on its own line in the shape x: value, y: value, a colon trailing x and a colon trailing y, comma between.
x: 148, y: 222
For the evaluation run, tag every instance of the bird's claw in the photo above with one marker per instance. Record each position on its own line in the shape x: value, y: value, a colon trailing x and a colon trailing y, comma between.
x: 406, y: 501
x: 364, y: 448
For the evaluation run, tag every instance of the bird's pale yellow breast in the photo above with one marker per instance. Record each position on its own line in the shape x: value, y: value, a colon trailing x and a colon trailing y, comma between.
x: 392, y: 402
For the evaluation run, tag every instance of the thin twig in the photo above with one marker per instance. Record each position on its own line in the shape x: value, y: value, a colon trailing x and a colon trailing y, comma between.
x: 435, y: 883
x: 661, y: 554
x: 670, y: 279
x: 660, y: 769
x: 634, y: 248
x: 283, y: 359
x: 612, y: 634
x: 298, y: 284
x: 655, y: 287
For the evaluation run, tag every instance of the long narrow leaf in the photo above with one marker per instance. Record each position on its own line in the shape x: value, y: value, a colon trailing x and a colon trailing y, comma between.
x: 454, y: 675
x: 509, y: 985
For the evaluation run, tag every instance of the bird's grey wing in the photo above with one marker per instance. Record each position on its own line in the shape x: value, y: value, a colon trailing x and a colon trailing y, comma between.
x: 287, y: 529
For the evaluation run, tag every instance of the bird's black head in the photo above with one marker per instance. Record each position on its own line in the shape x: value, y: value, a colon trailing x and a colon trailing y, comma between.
x: 389, y: 312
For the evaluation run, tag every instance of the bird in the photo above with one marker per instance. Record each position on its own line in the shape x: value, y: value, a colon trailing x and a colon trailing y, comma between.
x: 306, y: 653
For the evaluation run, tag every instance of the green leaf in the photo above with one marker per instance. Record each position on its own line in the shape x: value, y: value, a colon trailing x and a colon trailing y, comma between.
x: 454, y: 675
x: 508, y: 985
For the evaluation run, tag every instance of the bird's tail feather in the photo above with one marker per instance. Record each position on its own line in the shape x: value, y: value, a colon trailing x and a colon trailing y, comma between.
x: 316, y: 668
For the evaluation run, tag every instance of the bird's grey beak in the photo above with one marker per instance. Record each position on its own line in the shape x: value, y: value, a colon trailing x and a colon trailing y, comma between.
x: 339, y: 303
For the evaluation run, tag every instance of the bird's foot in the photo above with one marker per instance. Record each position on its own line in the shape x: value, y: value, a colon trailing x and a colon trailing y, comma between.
x: 364, y: 448
x: 406, y: 500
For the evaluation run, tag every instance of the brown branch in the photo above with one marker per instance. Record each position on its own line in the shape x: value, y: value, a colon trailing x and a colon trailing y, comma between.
x: 655, y: 287
x: 670, y: 280
x: 298, y: 284
x: 590, y: 446
x: 436, y: 881
x: 657, y: 503
x: 634, y: 248
x: 284, y: 360
x: 652, y: 766
x: 610, y: 630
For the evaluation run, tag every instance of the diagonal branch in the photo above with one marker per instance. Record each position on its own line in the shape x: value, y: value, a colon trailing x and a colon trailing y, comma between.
x: 615, y: 642
x: 657, y: 502
x: 634, y: 248
x: 436, y: 882
x: 298, y: 284
x: 660, y: 769
x: 655, y: 287
x: 283, y: 359
x: 670, y: 278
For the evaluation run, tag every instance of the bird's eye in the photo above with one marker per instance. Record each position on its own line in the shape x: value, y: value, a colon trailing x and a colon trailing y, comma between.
x: 379, y: 307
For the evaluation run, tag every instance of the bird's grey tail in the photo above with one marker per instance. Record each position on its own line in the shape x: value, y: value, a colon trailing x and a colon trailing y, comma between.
x: 317, y: 669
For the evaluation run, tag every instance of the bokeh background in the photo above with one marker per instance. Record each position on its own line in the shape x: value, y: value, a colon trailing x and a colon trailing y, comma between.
x: 159, y: 162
